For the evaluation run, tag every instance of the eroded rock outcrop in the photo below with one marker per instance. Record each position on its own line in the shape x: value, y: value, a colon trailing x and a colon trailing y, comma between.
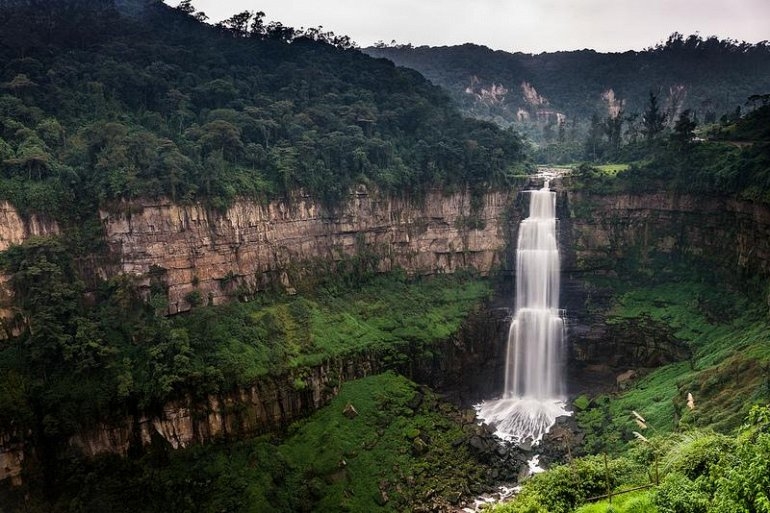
x: 732, y: 233
x: 269, y: 404
x: 15, y: 229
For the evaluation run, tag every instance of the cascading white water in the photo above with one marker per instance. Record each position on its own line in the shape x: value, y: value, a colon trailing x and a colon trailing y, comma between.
x: 533, y: 394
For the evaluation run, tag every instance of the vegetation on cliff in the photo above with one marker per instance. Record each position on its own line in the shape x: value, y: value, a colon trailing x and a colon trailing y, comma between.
x: 383, y: 444
x: 79, y: 360
x: 728, y: 158
x: 102, y: 102
x: 692, y: 472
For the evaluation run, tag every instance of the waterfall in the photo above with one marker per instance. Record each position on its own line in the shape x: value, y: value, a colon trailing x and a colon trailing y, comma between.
x: 534, y: 387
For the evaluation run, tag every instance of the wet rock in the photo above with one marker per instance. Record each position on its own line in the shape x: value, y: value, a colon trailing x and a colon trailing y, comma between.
x: 416, y: 401
x: 477, y: 443
x: 419, y: 447
x: 350, y: 411
x: 561, y: 442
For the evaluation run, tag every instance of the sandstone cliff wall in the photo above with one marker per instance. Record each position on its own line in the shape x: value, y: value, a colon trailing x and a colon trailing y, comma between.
x: 252, y: 245
x: 733, y: 234
x: 15, y: 229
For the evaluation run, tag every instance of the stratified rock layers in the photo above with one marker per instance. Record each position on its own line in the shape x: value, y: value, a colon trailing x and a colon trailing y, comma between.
x: 254, y: 245
x: 250, y: 246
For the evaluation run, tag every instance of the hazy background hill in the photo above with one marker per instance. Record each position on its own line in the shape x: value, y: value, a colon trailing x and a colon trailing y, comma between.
x: 537, y: 93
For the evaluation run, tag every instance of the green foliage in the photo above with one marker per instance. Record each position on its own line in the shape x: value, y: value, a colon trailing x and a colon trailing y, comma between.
x: 745, y: 484
x: 694, y: 454
x: 678, y: 494
x: 702, y: 472
x: 728, y: 339
x: 388, y: 314
x: 327, y: 462
x: 563, y: 488
x: 727, y: 159
x: 147, y: 101
x: 634, y: 502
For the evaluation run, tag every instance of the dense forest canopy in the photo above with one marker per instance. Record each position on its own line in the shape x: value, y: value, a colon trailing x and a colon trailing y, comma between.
x: 110, y: 101
x: 537, y: 93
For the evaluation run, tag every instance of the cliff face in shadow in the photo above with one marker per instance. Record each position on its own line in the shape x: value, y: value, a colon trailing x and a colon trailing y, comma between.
x: 618, y: 235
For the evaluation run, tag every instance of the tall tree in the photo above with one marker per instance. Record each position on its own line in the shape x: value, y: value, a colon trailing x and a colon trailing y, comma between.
x: 653, y: 119
x: 593, y: 146
x: 684, y: 130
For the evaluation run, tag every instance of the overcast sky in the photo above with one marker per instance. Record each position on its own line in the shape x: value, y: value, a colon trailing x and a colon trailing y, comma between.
x: 530, y: 26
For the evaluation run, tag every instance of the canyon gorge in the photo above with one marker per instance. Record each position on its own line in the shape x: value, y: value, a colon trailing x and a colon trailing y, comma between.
x: 282, y: 244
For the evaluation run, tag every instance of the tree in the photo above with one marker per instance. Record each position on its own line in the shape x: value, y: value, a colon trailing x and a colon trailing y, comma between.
x: 219, y: 135
x: 613, y: 129
x: 186, y: 7
x: 593, y: 147
x: 653, y: 120
x: 684, y: 130
x: 258, y: 28
x: 237, y: 24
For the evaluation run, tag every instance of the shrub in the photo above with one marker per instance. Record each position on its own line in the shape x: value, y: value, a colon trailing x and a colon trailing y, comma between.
x: 563, y: 488
x: 678, y: 494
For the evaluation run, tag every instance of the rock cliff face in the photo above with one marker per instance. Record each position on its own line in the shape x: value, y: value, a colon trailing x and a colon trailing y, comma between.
x: 252, y: 246
x: 733, y: 234
x: 607, y: 234
x: 15, y: 229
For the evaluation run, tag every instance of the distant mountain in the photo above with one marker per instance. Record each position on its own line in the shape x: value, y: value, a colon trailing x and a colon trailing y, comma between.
x: 709, y: 76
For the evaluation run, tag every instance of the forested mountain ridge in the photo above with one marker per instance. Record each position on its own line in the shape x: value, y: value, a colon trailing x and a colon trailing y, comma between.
x: 538, y: 93
x: 104, y: 101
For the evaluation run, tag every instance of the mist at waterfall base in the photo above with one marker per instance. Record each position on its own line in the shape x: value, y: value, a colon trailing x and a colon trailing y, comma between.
x: 533, y: 397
